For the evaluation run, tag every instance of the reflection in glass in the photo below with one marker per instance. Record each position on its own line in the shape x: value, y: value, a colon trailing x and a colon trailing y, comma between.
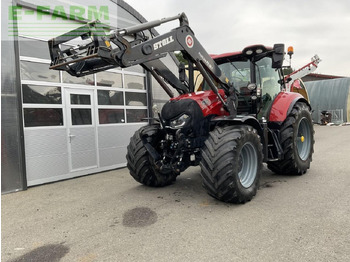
x: 77, y: 99
x: 136, y: 68
x: 34, y: 94
x: 106, y: 97
x: 134, y: 82
x: 111, y: 116
x: 82, y: 80
x: 109, y: 79
x: 135, y: 115
x: 38, y: 72
x: 135, y: 99
x: 81, y: 116
x: 43, y: 117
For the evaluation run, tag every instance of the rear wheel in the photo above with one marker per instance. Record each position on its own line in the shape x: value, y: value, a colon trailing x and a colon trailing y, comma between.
x: 231, y: 163
x: 297, y: 141
x: 140, y: 163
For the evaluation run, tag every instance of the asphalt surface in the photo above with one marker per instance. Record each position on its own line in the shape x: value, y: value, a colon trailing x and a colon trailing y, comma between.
x: 110, y: 217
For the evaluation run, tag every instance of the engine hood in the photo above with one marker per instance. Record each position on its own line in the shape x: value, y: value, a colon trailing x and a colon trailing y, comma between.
x: 207, y: 101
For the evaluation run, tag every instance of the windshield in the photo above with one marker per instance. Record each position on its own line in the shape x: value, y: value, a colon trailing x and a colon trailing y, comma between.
x: 237, y: 72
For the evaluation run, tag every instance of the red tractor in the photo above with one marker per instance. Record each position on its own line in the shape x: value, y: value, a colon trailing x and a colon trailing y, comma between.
x: 238, y: 119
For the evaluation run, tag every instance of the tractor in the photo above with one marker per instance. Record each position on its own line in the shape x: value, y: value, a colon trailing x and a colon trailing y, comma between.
x: 238, y: 119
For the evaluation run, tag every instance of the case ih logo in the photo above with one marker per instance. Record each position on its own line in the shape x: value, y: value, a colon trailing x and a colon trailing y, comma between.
x: 189, y: 41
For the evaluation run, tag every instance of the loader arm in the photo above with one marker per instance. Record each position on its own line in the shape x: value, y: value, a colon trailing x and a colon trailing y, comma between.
x: 115, y: 49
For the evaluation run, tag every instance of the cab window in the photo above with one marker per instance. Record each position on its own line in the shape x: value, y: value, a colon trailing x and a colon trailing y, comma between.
x: 267, y: 79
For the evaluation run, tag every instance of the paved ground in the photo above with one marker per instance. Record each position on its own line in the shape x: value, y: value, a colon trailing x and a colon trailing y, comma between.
x: 109, y: 217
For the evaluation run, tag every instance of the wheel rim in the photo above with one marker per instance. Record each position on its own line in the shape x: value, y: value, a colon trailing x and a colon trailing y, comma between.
x: 248, y: 161
x: 304, y: 139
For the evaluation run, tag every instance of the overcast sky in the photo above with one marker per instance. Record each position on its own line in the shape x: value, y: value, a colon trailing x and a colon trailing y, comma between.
x: 312, y: 27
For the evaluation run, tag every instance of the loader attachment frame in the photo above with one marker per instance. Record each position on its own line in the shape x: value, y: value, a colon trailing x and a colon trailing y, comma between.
x: 131, y: 46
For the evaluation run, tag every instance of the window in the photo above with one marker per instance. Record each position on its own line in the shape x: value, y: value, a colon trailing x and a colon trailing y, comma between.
x: 35, y: 94
x: 106, y: 97
x: 109, y: 79
x: 82, y: 80
x: 135, y: 99
x: 238, y: 73
x: 43, y: 117
x: 76, y: 99
x: 33, y: 48
x: 38, y: 72
x: 111, y: 116
x: 134, y: 82
x: 269, y: 84
x: 81, y: 116
x: 135, y: 115
x: 268, y: 77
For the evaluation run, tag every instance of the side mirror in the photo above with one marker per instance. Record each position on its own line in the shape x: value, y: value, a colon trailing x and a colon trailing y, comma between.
x: 278, y: 56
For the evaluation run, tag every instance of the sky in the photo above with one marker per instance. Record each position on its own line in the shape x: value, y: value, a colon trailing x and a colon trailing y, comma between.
x: 312, y: 27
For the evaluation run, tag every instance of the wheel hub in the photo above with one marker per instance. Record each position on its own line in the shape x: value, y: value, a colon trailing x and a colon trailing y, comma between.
x: 303, y: 140
x: 248, y: 165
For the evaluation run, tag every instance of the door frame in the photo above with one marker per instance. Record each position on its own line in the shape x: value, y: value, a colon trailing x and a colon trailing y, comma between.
x: 84, y: 91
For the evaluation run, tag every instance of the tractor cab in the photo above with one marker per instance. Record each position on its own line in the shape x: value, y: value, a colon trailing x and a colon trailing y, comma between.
x: 256, y: 75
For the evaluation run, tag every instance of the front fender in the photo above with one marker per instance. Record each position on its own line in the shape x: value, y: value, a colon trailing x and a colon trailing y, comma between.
x: 247, y: 120
x: 239, y: 120
x: 283, y: 105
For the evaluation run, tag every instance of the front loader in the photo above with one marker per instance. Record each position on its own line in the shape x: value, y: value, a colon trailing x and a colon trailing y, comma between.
x: 226, y: 128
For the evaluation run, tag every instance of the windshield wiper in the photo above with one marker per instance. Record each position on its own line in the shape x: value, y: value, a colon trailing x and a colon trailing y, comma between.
x: 235, y: 67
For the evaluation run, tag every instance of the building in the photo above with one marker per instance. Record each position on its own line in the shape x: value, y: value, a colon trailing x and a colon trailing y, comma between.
x: 55, y: 126
x: 332, y: 96
x: 319, y: 77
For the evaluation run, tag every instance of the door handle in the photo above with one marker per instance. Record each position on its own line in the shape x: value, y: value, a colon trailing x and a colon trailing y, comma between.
x: 70, y: 138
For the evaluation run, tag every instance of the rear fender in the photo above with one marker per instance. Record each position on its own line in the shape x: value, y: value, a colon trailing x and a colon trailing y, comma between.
x: 283, y: 105
x: 299, y: 87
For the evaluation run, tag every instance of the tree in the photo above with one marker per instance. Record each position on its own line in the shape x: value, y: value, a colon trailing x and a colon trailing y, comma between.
x: 180, y: 57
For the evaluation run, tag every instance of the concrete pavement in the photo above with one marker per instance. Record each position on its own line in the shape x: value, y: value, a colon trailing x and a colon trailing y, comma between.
x: 110, y: 217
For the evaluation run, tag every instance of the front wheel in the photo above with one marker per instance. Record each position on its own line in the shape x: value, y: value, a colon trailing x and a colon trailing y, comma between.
x: 140, y: 164
x: 297, y: 141
x: 231, y: 163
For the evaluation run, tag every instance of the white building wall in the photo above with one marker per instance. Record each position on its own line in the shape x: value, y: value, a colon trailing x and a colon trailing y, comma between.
x: 118, y: 102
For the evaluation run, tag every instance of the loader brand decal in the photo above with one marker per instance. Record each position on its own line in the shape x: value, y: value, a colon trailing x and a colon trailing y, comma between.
x: 189, y: 41
x: 163, y: 42
x: 208, y: 64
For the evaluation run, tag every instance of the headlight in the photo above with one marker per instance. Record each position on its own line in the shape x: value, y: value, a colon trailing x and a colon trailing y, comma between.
x: 179, y: 122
